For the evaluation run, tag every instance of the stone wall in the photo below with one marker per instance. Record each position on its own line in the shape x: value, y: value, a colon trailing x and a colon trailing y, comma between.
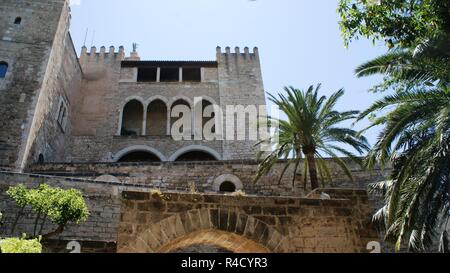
x: 178, y: 175
x: 163, y: 223
x: 278, y: 223
x: 62, y: 84
x: 101, y: 198
x: 240, y: 83
x: 27, y: 48
x: 107, y: 86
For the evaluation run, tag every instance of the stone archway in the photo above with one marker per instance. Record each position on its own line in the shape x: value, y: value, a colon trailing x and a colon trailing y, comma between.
x: 139, y: 148
x: 231, y: 178
x: 228, y: 241
x: 230, y: 230
x: 195, y: 148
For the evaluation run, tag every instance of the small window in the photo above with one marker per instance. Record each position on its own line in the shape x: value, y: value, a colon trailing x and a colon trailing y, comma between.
x: 147, y: 74
x: 18, y: 21
x: 227, y: 187
x: 41, y: 159
x: 62, y: 114
x: 3, y: 69
x: 192, y: 75
x: 170, y: 74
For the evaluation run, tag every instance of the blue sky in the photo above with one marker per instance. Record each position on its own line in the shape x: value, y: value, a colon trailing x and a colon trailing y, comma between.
x: 299, y: 40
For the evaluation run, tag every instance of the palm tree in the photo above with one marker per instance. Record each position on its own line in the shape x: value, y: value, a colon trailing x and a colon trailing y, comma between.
x: 428, y: 64
x: 311, y: 131
x: 416, y: 139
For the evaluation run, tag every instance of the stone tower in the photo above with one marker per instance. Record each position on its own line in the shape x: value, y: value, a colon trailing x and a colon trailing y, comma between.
x: 33, y: 40
x: 124, y: 106
x: 240, y: 84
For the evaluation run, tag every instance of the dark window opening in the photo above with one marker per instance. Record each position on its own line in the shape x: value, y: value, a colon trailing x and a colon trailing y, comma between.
x: 132, y: 120
x: 227, y: 187
x: 205, y: 120
x: 18, y: 20
x: 3, y: 69
x: 139, y: 157
x: 157, y: 119
x: 62, y: 116
x: 40, y: 159
x: 174, y: 119
x: 196, y: 156
x: 192, y: 75
x: 147, y: 74
x: 170, y: 74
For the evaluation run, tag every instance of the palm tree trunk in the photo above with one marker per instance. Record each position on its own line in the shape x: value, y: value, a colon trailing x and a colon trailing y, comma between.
x: 312, y: 170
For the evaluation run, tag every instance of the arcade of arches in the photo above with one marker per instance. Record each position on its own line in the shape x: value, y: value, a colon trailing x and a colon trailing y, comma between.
x: 146, y: 156
x: 157, y: 120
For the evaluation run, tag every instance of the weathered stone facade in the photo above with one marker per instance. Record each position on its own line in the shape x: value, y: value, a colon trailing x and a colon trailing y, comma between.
x: 42, y: 69
x: 102, y: 123
x: 125, y: 214
x: 96, y: 89
x: 166, y: 223
x: 179, y: 175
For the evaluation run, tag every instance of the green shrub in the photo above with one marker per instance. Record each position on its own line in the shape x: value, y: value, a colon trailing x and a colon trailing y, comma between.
x: 20, y: 245
x: 59, y: 206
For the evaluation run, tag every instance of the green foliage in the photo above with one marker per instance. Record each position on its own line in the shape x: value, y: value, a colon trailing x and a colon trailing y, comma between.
x: 20, y: 245
x: 425, y: 67
x: 404, y: 23
x: 416, y: 127
x: 19, y: 194
x: 58, y: 205
x: 311, y: 131
x: 416, y: 137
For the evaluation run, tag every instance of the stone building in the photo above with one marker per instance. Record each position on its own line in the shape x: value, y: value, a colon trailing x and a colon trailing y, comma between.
x: 103, y: 122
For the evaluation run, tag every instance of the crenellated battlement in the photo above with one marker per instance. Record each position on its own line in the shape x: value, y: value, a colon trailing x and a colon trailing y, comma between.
x: 237, y: 54
x: 103, y: 56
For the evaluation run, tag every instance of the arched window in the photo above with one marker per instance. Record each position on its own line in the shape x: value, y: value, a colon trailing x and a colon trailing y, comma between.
x: 156, y: 118
x: 3, y: 69
x: 41, y: 159
x: 227, y: 187
x: 132, y: 118
x: 205, y: 104
x: 174, y: 119
x: 139, y: 156
x: 196, y: 156
x: 18, y: 21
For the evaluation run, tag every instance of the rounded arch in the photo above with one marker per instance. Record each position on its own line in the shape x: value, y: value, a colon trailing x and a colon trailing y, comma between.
x: 225, y: 240
x: 199, y: 123
x: 167, y: 104
x: 157, y: 97
x: 138, y: 148
x: 122, y: 106
x: 195, y: 148
x: 108, y: 178
x: 157, y: 118
x: 180, y: 98
x: 231, y: 178
x: 242, y: 233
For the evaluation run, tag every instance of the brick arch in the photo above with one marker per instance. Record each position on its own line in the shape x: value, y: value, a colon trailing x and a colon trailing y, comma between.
x: 195, y: 148
x: 138, y: 148
x: 122, y: 106
x: 222, y: 239
x: 238, y: 232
